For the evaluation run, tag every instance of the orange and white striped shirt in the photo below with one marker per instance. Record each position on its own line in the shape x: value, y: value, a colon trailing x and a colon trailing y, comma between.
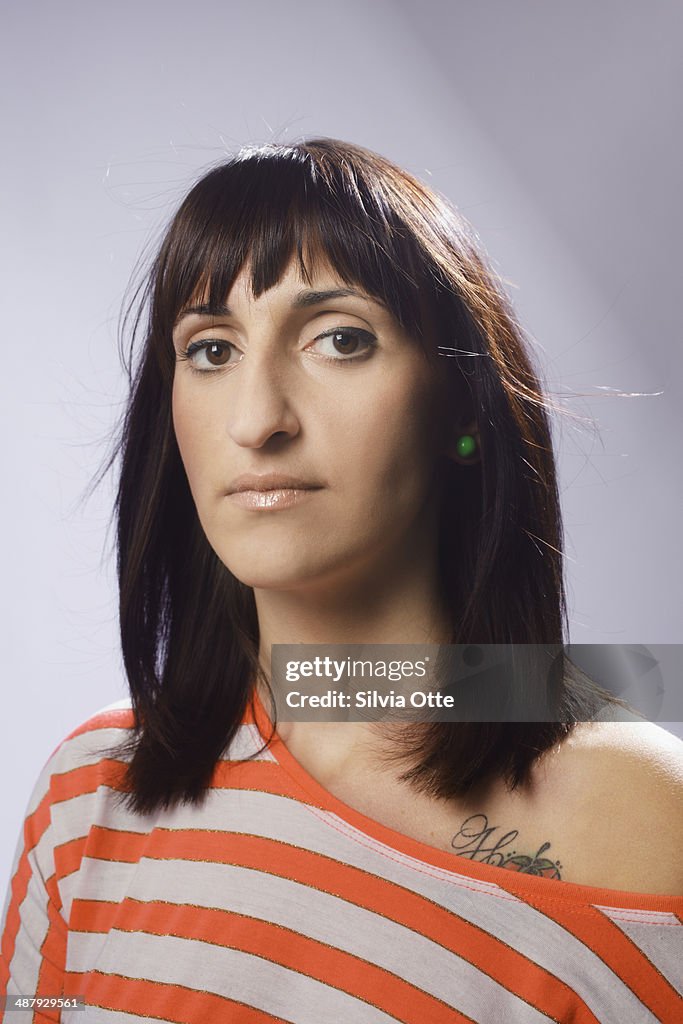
x: 276, y: 901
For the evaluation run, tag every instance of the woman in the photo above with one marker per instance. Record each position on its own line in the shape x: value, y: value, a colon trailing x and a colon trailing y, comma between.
x: 335, y: 435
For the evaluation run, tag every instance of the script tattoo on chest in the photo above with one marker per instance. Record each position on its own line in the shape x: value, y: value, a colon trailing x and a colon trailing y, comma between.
x: 475, y: 840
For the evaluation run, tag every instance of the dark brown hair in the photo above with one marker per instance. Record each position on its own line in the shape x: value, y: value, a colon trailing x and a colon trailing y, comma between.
x: 189, y: 628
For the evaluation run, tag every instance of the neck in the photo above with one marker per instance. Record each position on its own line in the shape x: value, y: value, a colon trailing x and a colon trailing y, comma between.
x: 394, y: 601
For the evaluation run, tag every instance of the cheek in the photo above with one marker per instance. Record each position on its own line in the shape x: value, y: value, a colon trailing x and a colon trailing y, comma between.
x: 191, y: 426
x: 393, y: 442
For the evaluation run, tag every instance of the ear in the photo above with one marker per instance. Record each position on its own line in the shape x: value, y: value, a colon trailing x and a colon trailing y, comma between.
x: 469, y: 429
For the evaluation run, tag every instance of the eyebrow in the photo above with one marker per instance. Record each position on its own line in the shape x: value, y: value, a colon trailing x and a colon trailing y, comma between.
x: 302, y: 301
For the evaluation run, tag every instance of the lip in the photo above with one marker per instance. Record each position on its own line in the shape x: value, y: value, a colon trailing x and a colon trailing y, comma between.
x: 269, y: 491
x: 281, y: 497
x: 270, y: 482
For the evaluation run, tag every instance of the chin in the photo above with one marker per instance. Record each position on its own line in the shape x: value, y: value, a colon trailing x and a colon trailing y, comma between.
x: 277, y: 570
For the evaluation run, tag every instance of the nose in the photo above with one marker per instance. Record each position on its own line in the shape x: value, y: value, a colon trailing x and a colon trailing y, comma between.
x: 260, y: 406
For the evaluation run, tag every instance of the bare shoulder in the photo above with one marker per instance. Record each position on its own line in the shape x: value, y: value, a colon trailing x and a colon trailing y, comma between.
x: 618, y: 790
x: 652, y: 756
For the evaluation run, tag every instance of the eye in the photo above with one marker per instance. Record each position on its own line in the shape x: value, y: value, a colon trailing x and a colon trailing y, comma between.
x: 341, y: 345
x: 344, y: 344
x: 208, y: 353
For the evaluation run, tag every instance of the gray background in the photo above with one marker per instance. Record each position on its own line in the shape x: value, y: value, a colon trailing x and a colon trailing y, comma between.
x: 554, y: 127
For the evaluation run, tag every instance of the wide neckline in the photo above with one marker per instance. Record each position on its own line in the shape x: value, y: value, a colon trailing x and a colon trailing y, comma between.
x: 524, y: 885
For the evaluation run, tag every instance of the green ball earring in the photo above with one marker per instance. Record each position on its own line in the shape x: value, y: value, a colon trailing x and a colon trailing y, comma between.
x: 466, y: 446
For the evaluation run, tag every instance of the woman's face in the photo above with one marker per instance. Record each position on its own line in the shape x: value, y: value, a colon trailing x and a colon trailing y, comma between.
x: 333, y: 397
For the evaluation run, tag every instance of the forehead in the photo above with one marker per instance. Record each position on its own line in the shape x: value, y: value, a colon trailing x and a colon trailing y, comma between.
x: 318, y: 274
x: 318, y: 281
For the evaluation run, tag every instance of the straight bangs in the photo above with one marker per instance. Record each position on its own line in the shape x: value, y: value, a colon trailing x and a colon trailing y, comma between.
x: 269, y: 204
